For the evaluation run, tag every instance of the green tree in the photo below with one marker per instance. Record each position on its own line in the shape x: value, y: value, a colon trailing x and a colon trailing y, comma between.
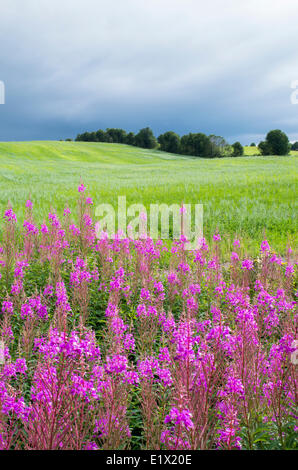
x: 82, y: 137
x: 278, y: 142
x: 264, y: 148
x: 145, y: 139
x: 130, y: 139
x: 101, y: 136
x: 198, y: 145
x: 169, y: 142
x: 295, y: 146
x: 117, y: 136
x: 220, y: 147
x: 238, y: 149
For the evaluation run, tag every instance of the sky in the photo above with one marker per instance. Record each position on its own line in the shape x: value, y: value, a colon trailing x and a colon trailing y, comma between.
x: 221, y: 67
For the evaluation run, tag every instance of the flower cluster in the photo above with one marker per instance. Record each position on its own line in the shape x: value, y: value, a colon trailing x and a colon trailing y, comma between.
x: 121, y: 343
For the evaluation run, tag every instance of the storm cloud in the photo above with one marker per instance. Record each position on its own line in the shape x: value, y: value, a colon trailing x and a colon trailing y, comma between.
x: 220, y: 67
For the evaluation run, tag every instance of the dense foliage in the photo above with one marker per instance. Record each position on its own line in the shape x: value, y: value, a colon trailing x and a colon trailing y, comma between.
x: 193, y: 144
x: 276, y: 143
x: 121, y: 343
x: 238, y: 150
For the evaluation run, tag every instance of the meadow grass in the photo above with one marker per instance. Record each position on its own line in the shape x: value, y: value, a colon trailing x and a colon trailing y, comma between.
x: 246, y: 196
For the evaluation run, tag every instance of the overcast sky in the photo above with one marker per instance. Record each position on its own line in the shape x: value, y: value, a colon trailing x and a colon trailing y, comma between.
x: 221, y: 67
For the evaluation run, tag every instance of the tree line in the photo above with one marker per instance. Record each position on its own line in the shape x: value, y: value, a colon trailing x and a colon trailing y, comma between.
x: 192, y: 144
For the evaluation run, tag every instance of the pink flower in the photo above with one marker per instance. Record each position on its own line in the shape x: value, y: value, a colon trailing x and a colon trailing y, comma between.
x: 247, y: 264
x: 265, y: 247
x: 143, y: 216
x: 234, y: 256
x: 177, y: 417
x: 10, y: 215
x: 289, y: 270
x: 67, y: 211
x: 81, y: 188
x: 44, y: 228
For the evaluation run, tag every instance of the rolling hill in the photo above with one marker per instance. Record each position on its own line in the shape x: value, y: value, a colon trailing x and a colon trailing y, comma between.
x: 244, y: 196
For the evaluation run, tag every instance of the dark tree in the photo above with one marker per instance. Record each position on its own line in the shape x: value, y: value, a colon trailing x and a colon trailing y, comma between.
x: 264, y: 148
x: 295, y: 146
x: 278, y: 142
x: 83, y: 137
x: 252, y: 144
x: 198, y: 145
x: 169, y: 142
x: 118, y: 136
x: 130, y: 139
x: 101, y: 136
x: 238, y: 149
x: 145, y: 139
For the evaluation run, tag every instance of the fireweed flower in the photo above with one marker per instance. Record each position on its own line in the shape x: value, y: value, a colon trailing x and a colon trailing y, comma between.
x: 30, y: 228
x: 203, y: 245
x: 7, y: 307
x: 44, y: 228
x: 177, y: 417
x: 10, y: 216
x: 234, y: 256
x: 247, y: 264
x: 75, y: 230
x: 207, y: 357
x: 265, y: 247
x: 289, y: 270
x: 67, y: 211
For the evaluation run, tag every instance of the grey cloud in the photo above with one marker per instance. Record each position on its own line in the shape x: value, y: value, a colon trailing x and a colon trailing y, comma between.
x: 224, y: 68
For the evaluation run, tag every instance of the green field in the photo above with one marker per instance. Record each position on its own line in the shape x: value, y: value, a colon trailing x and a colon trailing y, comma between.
x: 244, y: 196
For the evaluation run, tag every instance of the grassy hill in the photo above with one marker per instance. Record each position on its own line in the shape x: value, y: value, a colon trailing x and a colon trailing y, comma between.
x: 240, y: 195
